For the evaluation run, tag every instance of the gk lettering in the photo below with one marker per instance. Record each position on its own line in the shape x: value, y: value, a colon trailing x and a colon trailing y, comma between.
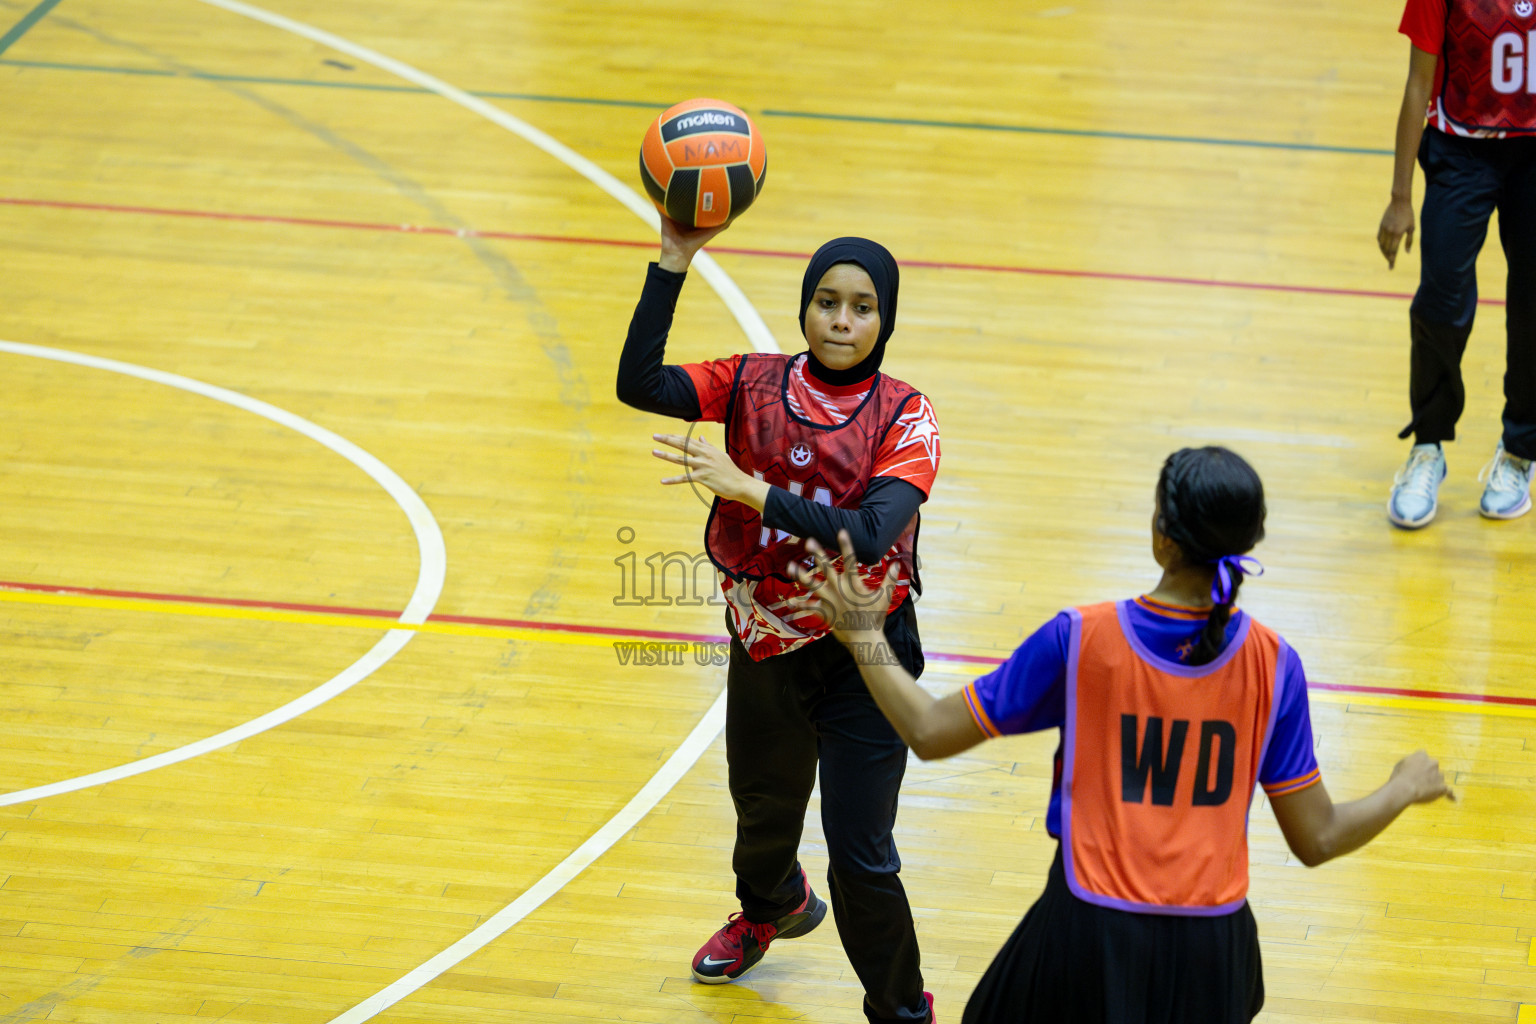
x: 1514, y: 62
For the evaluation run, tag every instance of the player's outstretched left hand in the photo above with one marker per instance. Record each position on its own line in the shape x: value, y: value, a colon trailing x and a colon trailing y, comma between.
x: 704, y: 464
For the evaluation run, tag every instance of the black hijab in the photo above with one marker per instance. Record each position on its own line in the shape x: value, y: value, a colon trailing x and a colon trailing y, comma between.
x: 880, y: 265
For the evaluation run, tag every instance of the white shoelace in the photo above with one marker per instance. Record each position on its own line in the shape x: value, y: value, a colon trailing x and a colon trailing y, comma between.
x: 1422, y: 474
x: 1506, y: 472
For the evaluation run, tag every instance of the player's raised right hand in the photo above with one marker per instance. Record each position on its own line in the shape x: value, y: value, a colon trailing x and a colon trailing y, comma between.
x: 680, y: 244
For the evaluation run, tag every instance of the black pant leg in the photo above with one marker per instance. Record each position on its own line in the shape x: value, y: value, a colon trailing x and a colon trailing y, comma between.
x: 1436, y: 393
x: 863, y: 761
x: 1461, y: 188
x: 770, y: 750
x: 1517, y: 232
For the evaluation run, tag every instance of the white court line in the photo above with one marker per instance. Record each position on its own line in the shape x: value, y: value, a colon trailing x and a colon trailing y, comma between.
x: 429, y: 579
x: 498, y: 923
x: 745, y: 313
x: 714, y: 719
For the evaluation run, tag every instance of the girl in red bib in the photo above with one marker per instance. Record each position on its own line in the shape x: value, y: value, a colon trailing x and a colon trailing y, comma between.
x: 1172, y: 706
x: 817, y: 443
x: 1472, y: 74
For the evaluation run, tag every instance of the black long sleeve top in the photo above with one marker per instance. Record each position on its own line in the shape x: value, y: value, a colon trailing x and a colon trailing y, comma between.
x: 646, y: 383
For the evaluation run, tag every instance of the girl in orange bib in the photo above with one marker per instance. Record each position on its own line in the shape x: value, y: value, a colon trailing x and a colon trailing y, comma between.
x: 1171, y: 707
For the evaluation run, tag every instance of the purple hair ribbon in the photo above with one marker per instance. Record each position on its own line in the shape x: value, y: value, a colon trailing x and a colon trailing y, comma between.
x: 1227, y: 568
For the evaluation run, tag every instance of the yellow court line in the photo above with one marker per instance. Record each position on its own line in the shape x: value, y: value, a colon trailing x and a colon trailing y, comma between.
x: 1423, y: 704
x: 554, y: 635
x: 1527, y: 1013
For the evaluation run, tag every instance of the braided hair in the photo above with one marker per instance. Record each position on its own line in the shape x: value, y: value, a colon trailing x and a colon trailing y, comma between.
x: 1210, y: 503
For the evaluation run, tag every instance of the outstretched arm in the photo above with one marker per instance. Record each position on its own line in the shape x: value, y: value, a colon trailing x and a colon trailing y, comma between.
x: 1317, y: 830
x: 932, y: 726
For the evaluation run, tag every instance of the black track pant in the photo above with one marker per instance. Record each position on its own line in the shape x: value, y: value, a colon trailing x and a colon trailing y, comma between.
x: 1466, y: 181
x: 783, y: 714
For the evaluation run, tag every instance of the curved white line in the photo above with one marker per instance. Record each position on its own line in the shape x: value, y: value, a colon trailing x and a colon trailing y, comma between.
x: 745, y: 313
x: 429, y: 579
x: 710, y: 725
x: 498, y: 923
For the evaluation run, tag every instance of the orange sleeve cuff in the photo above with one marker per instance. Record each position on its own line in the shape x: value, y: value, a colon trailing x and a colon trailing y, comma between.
x: 1312, y: 778
x: 973, y: 704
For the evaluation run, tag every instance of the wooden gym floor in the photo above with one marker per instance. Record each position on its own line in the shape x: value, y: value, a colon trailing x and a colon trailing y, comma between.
x: 346, y: 641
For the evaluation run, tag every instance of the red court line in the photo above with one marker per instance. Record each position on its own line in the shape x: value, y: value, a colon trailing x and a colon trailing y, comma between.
x: 990, y: 268
x: 312, y: 222
x: 331, y: 609
x: 1392, y: 691
x: 655, y: 634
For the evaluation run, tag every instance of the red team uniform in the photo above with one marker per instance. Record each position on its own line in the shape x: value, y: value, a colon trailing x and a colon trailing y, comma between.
x: 1479, y: 155
x: 817, y: 441
x: 1483, y: 84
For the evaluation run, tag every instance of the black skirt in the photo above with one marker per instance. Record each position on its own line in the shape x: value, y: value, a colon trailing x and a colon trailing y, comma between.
x: 1071, y: 962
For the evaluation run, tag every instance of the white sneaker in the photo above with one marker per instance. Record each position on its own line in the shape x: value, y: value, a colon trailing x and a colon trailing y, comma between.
x: 1416, y: 488
x: 1508, y: 494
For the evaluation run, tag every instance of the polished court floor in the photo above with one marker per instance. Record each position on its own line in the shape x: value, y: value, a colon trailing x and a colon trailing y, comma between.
x: 327, y: 553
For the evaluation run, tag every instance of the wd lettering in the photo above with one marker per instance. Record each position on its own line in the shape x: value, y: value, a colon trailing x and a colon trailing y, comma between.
x: 1134, y: 769
x: 1142, y: 757
x: 1224, y: 736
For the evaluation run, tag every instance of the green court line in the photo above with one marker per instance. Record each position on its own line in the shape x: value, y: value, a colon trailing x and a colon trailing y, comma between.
x: 311, y: 83
x: 1091, y: 133
x: 23, y: 26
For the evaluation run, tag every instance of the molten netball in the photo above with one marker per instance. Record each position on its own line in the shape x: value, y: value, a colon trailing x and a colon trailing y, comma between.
x: 702, y: 162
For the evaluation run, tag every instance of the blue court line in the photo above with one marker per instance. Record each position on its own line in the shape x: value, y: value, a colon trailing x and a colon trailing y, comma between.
x: 1197, y: 140
x: 23, y: 26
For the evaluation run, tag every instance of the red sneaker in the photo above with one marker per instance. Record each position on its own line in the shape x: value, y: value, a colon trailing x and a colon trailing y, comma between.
x: 732, y: 951
x: 735, y: 949
x: 800, y: 921
x: 932, y: 1017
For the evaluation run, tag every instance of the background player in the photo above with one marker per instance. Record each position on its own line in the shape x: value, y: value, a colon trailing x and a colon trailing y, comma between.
x: 815, y: 443
x: 1171, y: 706
x: 1470, y: 65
